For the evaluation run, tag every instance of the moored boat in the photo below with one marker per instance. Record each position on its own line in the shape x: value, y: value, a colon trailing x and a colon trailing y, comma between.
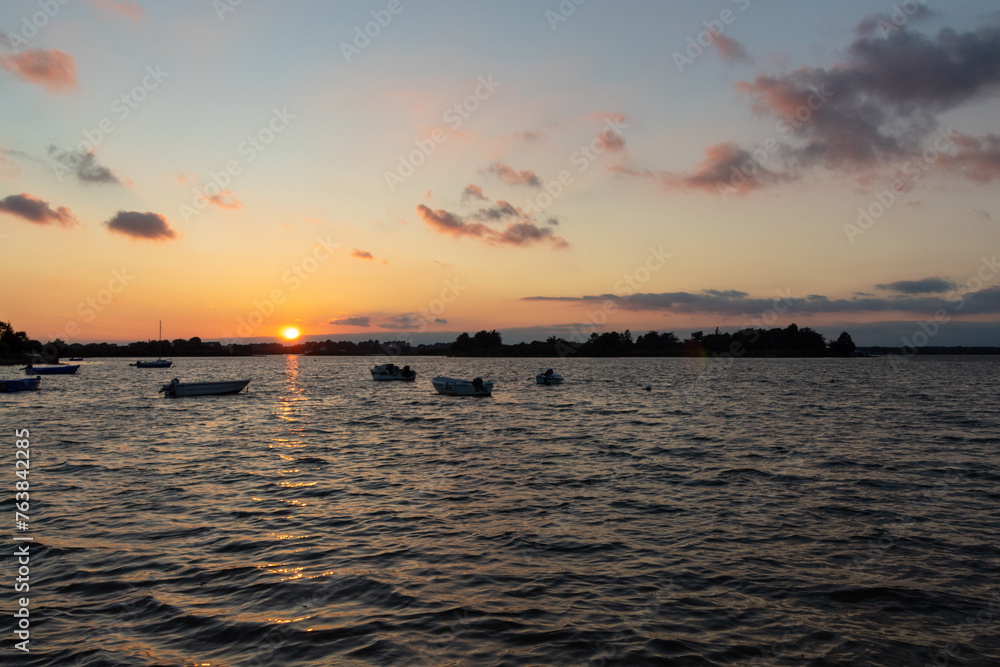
x: 549, y: 377
x: 177, y: 388
x: 453, y: 387
x: 159, y: 363
x: 23, y: 384
x: 58, y: 369
x: 393, y: 372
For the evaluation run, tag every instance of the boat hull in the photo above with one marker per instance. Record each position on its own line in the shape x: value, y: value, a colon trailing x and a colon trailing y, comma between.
x: 178, y: 389
x: 25, y: 384
x: 52, y: 370
x: 159, y: 363
x: 453, y: 387
x: 384, y: 373
x: 541, y: 378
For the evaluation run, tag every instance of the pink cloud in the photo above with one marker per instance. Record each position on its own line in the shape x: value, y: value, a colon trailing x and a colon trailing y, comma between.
x: 519, y: 234
x: 52, y: 69
x: 142, y: 226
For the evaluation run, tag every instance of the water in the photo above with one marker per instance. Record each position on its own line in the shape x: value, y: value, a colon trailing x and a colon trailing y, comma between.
x: 751, y: 511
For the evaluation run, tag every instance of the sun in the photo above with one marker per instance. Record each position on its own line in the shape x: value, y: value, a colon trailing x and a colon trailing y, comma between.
x: 290, y: 333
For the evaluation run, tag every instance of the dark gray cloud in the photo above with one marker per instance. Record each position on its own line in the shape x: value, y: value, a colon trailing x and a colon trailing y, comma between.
x: 732, y: 303
x: 35, y: 210
x: 142, y: 226
x: 922, y: 286
x: 522, y: 233
x: 83, y: 165
x: 360, y: 321
x: 512, y: 176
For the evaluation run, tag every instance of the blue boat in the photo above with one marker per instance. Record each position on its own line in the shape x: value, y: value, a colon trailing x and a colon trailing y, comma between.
x: 58, y: 369
x: 24, y: 384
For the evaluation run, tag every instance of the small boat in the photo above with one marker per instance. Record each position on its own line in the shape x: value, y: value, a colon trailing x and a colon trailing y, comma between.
x: 24, y: 384
x: 177, y: 388
x: 549, y: 377
x: 159, y: 363
x: 76, y: 358
x: 58, y: 369
x: 393, y: 372
x: 453, y: 387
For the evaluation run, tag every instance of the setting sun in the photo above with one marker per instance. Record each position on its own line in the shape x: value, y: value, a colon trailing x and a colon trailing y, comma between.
x: 290, y: 333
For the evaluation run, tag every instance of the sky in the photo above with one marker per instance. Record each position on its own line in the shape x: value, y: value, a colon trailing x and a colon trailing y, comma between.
x: 398, y: 169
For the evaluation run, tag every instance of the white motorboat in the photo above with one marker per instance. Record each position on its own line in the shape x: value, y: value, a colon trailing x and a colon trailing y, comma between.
x: 453, y: 387
x: 393, y: 372
x: 177, y: 388
x: 549, y: 377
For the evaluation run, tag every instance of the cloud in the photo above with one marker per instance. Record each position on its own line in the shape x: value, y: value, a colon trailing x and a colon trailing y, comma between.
x: 512, y: 177
x: 520, y: 234
x: 528, y: 135
x: 362, y: 254
x: 981, y: 214
x: 147, y: 226
x: 923, y: 286
x: 473, y: 191
x: 732, y: 303
x: 500, y: 211
x: 35, y: 210
x: 127, y: 8
x: 975, y: 159
x: 225, y: 199
x: 83, y: 165
x: 731, y: 51
x: 52, y: 69
x: 886, y: 24
x: 877, y: 108
x: 360, y: 321
x: 612, y: 141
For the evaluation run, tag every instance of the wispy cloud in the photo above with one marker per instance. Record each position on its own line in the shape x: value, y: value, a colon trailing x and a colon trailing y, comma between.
x: 473, y: 191
x: 731, y: 51
x: 733, y: 303
x: 225, y: 200
x: 360, y: 321
x: 362, y: 254
x: 513, y: 177
x: 519, y: 234
x: 142, y: 226
x: 83, y: 165
x: 922, y: 286
x: 35, y: 210
x: 49, y: 68
x: 127, y: 8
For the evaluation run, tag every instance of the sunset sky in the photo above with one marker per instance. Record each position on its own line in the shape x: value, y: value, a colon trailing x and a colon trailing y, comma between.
x: 536, y: 167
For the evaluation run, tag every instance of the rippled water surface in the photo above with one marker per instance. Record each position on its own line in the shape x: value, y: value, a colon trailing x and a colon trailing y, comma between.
x: 751, y: 511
